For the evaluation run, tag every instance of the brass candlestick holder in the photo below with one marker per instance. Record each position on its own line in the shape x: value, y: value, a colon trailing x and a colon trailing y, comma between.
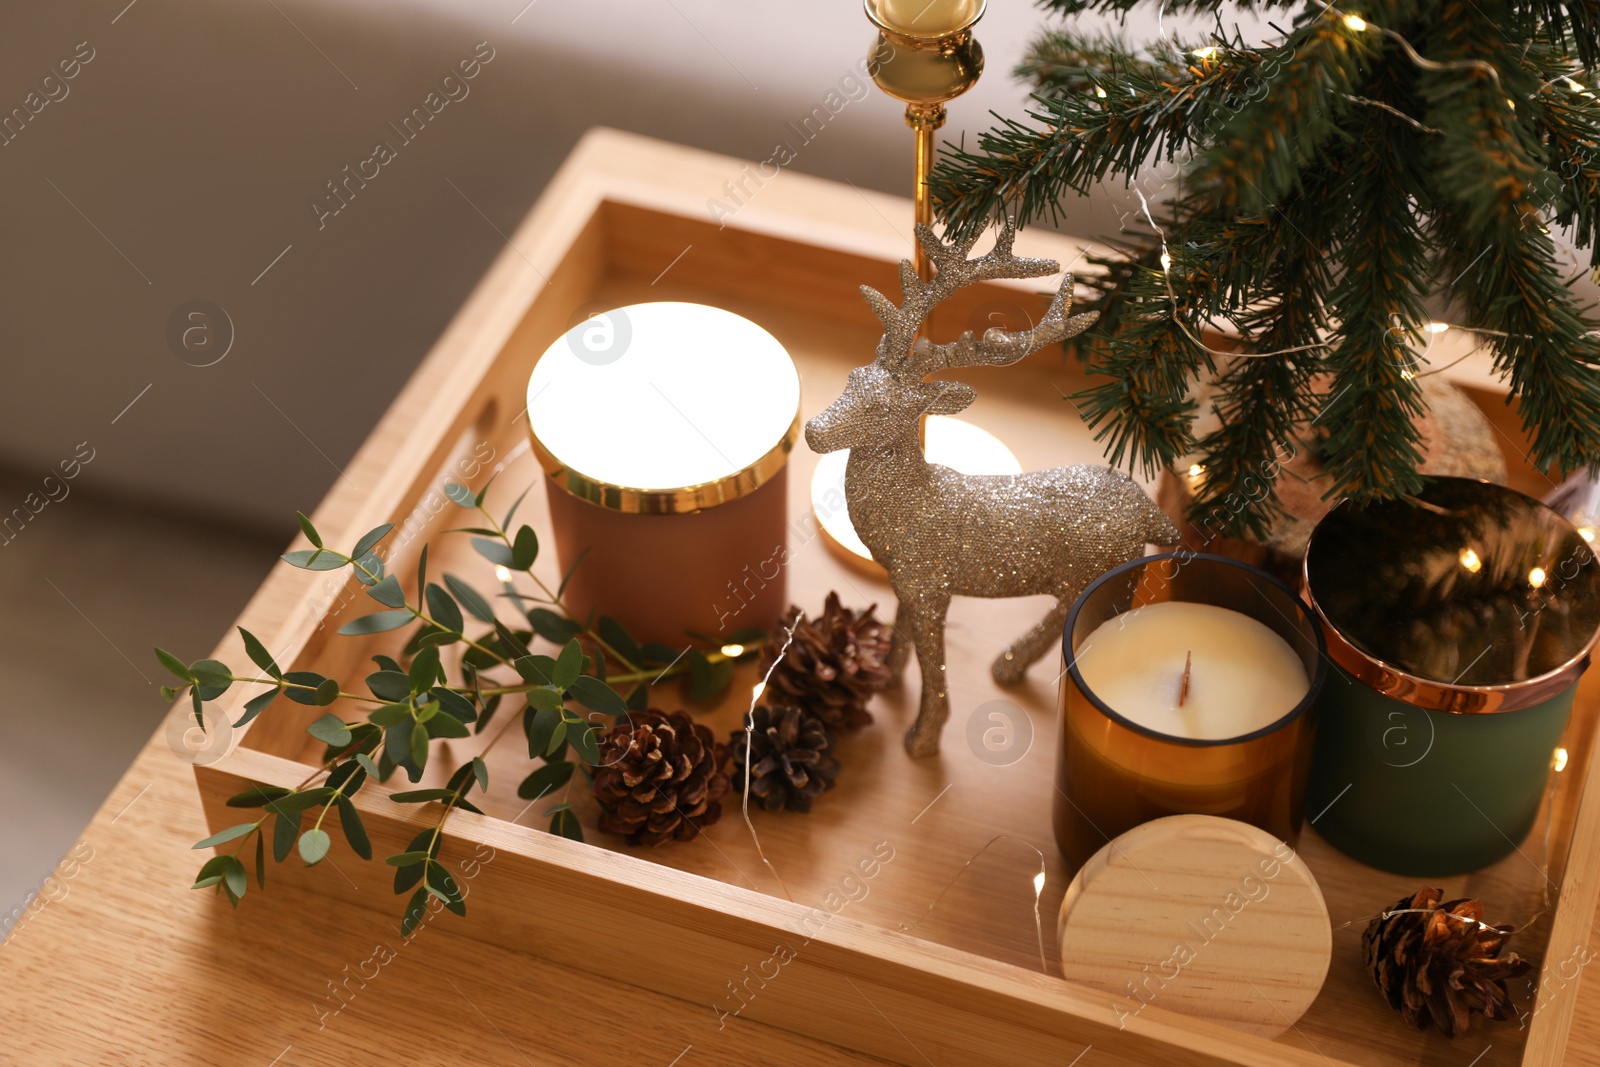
x: 925, y: 56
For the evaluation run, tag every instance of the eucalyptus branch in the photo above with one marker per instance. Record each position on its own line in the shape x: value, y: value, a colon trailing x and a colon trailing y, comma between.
x: 416, y: 703
x: 674, y: 670
x: 551, y: 597
x: 281, y: 684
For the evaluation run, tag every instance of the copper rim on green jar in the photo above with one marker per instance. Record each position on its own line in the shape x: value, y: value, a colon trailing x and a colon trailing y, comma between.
x: 1458, y: 622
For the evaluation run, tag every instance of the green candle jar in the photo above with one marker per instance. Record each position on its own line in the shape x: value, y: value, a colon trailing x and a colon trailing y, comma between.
x: 1458, y: 623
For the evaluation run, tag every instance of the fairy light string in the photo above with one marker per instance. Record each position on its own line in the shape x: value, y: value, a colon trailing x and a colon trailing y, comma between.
x: 1433, y: 328
x: 749, y: 740
x: 1038, y: 891
x: 1358, y: 25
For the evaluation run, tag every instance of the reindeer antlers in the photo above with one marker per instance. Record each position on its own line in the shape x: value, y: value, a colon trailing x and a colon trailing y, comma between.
x: 904, y: 353
x: 1000, y: 348
x: 997, y: 263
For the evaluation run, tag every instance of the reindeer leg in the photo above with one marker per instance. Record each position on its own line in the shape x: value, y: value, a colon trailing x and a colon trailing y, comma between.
x: 899, y: 645
x: 1010, y: 666
x: 927, y: 633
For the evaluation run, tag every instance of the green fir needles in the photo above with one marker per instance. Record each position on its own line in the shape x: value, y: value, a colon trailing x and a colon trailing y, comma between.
x: 1313, y: 197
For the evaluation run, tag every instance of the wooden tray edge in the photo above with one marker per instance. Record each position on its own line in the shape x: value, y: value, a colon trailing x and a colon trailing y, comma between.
x: 989, y: 1011
x: 457, y: 366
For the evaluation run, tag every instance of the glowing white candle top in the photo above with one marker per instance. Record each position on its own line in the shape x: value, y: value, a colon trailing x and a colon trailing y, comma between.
x: 1242, y: 676
x: 665, y: 395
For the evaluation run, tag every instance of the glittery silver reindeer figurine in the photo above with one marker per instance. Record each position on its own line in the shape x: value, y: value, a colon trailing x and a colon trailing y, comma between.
x: 940, y: 533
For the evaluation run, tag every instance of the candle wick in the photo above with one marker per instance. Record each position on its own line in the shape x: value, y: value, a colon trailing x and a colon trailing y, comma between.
x: 1183, y: 687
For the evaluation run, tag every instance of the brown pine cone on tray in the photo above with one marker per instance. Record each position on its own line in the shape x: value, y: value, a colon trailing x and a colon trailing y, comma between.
x: 790, y: 756
x: 660, y: 778
x: 1439, y: 964
x: 835, y: 664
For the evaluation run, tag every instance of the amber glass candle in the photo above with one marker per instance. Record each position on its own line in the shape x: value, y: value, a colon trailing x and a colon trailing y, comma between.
x: 1114, y: 773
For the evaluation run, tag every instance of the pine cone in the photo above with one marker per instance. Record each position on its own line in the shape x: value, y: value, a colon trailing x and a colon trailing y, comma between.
x: 792, y: 756
x: 660, y: 776
x: 834, y: 665
x: 1440, y: 964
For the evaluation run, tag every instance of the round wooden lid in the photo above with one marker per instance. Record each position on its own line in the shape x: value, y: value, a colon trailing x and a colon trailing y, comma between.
x: 1205, y: 916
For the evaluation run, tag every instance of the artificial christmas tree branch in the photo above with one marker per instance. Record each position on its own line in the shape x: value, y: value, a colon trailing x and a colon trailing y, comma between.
x: 1258, y: 155
x: 1320, y: 191
x: 1156, y: 112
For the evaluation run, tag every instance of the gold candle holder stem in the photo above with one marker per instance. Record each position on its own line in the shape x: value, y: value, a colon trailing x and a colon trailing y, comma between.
x: 924, y: 120
x: 925, y: 57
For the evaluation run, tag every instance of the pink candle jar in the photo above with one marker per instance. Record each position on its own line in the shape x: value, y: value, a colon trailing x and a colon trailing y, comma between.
x: 664, y: 430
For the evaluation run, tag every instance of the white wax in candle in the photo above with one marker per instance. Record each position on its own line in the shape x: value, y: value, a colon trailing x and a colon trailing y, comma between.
x: 1243, y: 676
x: 927, y: 17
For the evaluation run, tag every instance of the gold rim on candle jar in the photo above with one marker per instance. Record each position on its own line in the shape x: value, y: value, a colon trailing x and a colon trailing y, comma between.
x: 663, y: 408
x: 668, y: 501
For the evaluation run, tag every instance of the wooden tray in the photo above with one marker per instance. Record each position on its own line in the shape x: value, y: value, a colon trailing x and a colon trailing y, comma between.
x: 935, y: 957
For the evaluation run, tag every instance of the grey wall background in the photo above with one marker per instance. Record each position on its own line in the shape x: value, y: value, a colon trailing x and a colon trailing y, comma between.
x: 185, y: 155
